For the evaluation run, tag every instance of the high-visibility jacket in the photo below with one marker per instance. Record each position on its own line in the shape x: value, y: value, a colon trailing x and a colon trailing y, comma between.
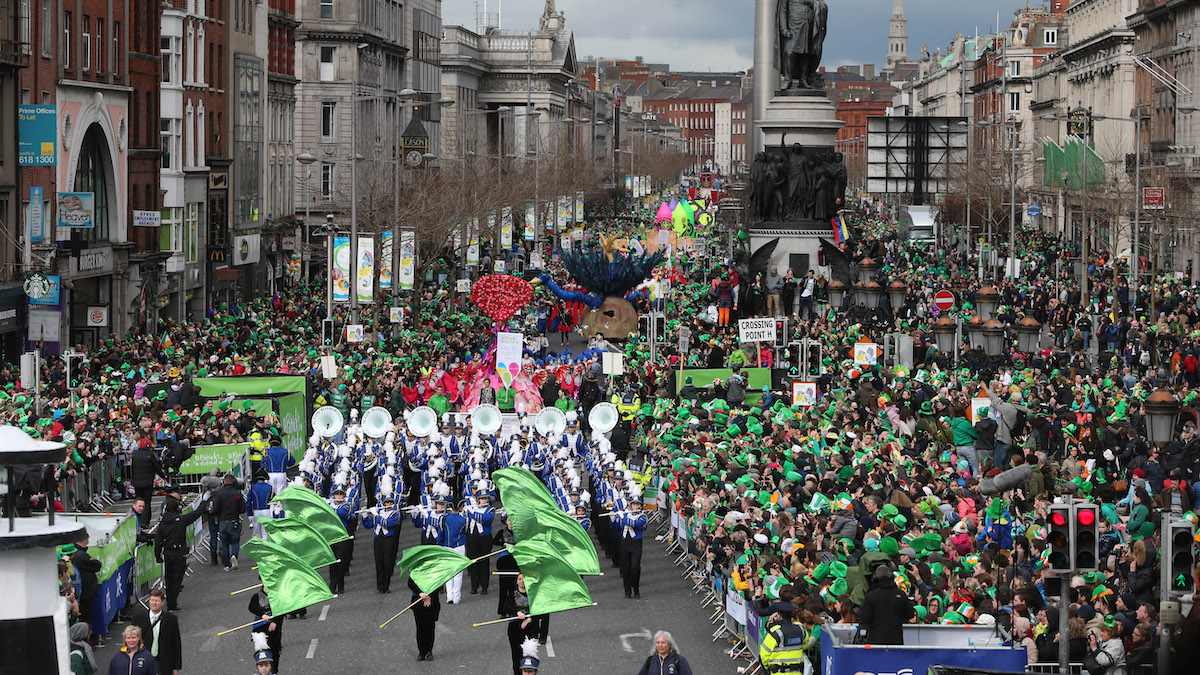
x: 627, y: 405
x: 782, y: 649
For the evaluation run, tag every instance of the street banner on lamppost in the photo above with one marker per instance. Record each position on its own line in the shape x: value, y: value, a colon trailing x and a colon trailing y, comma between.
x: 407, y: 277
x: 366, y: 269
x: 341, y: 269
x: 385, y: 260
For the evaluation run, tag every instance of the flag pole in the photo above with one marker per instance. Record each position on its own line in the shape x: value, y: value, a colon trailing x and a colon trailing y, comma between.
x: 414, y: 602
x: 245, y: 625
x: 496, y: 552
x: 527, y: 616
x: 315, y: 568
x: 248, y: 588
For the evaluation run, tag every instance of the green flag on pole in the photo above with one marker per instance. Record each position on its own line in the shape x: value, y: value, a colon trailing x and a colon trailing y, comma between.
x: 553, y: 586
x: 298, y: 538
x: 432, y: 566
x: 289, y: 582
x: 533, y: 512
x: 303, y: 504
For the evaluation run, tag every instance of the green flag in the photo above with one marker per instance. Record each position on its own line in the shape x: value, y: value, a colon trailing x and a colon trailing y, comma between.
x: 533, y: 512
x: 553, y: 586
x: 431, y: 566
x: 288, y: 581
x: 298, y: 538
x: 303, y: 504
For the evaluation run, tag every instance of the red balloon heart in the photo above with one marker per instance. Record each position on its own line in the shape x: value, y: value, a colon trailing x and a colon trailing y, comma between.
x: 500, y: 295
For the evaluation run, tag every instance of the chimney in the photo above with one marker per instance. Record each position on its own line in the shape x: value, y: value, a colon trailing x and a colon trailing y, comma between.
x: 868, y: 71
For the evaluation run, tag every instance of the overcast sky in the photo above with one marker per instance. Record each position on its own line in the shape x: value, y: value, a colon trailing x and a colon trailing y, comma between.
x: 719, y: 34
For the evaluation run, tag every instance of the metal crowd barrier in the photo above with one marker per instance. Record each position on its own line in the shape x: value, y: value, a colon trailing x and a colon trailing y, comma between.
x: 88, y: 490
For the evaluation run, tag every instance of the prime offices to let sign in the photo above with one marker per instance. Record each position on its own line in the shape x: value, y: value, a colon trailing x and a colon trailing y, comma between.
x: 36, y: 144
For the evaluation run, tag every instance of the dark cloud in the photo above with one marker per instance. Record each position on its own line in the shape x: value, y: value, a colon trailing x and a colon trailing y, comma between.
x: 719, y: 34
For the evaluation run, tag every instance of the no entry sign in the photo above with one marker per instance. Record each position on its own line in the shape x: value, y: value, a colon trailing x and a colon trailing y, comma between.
x: 943, y: 300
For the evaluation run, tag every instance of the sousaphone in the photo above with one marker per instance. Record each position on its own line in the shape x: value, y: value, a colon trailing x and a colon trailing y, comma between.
x: 327, y: 421
x: 604, y: 417
x: 550, y: 421
x: 486, y: 419
x: 376, y: 422
x: 423, y: 421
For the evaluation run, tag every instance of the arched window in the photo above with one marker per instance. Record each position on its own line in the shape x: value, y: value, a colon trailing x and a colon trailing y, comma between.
x: 92, y: 175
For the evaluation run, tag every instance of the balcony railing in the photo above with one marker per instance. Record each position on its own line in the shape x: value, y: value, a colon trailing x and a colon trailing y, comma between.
x: 13, y: 53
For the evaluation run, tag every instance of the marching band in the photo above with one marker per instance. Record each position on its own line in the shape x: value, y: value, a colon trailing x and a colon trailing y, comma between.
x: 377, y: 470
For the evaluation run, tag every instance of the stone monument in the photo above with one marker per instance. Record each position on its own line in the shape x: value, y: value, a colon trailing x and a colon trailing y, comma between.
x: 797, y: 178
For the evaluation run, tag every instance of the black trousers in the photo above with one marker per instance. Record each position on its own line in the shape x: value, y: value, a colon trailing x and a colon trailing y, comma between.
x: 350, y: 553
x: 174, y: 568
x: 144, y: 493
x: 631, y: 564
x: 479, y: 545
x: 517, y: 635
x: 426, y: 620
x: 337, y: 571
x: 385, y: 560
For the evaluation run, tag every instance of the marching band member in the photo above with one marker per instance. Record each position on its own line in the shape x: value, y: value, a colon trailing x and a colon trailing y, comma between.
x: 385, y: 520
x: 455, y: 538
x: 633, y: 527
x: 480, y: 516
x: 343, y: 549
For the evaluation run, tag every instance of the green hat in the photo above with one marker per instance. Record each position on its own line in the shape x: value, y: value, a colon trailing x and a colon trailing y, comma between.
x: 889, y: 546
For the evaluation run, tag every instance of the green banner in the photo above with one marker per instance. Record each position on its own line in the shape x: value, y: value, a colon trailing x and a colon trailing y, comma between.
x: 207, y: 457
x: 118, y: 550
x: 251, y: 385
x: 288, y: 399
x: 291, y: 421
x: 756, y: 379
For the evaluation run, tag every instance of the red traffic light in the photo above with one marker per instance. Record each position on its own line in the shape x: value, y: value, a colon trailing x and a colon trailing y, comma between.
x: 1087, y: 517
x: 1058, y: 519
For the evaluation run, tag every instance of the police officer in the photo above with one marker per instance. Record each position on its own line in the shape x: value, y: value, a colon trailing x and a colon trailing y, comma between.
x: 783, y: 647
x: 632, y: 525
x: 170, y: 546
x: 480, y: 517
x: 385, y: 520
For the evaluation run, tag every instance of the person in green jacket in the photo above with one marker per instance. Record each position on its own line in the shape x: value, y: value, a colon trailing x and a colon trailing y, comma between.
x: 1140, y: 513
x: 440, y: 402
x: 964, y: 439
x: 738, y: 357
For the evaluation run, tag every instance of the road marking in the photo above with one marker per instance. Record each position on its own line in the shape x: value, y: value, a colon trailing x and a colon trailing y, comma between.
x: 549, y: 647
x: 645, y: 634
x: 324, y: 613
x: 312, y: 649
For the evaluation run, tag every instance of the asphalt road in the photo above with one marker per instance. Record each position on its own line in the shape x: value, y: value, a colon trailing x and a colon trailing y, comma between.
x: 343, y: 635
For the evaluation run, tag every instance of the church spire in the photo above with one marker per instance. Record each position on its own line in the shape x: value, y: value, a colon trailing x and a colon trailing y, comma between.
x: 898, y: 9
x: 897, y: 38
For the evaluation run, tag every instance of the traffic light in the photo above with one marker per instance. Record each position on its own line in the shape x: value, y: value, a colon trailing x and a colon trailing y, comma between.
x: 660, y: 327
x: 644, y: 326
x: 813, y: 365
x: 1059, y: 539
x: 76, y: 369
x: 781, y: 332
x: 328, y: 331
x: 1086, y: 537
x: 1179, y: 545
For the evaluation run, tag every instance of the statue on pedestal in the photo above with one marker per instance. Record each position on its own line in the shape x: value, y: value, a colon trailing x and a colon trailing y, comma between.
x: 801, y: 27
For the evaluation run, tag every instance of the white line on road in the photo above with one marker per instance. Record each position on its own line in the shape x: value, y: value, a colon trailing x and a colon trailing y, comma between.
x: 549, y: 647
x: 324, y: 613
x: 645, y: 634
x: 312, y: 649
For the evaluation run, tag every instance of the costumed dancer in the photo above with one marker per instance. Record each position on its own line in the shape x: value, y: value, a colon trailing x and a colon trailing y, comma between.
x: 385, y: 521
x: 425, y: 615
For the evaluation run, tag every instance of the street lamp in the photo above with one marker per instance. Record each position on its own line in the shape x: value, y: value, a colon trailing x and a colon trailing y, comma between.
x: 1028, y: 331
x: 986, y: 300
x: 1161, y: 410
x: 307, y: 159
